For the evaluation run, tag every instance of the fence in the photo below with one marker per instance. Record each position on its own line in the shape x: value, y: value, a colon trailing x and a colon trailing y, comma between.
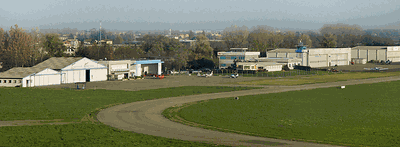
x: 386, y: 70
x: 248, y: 73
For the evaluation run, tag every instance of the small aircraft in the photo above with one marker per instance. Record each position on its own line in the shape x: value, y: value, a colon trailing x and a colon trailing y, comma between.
x: 205, y: 75
x: 376, y: 68
x: 234, y: 76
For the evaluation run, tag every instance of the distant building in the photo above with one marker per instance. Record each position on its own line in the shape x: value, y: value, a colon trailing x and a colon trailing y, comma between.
x: 226, y: 59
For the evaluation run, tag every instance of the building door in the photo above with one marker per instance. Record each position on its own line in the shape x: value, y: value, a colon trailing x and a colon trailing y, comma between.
x: 27, y: 83
x: 87, y: 75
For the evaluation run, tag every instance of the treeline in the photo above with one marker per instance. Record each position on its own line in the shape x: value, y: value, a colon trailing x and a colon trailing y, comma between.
x: 339, y: 35
x: 19, y: 48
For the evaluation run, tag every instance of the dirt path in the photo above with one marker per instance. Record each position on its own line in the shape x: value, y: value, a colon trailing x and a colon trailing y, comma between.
x: 33, y: 122
x: 145, y: 116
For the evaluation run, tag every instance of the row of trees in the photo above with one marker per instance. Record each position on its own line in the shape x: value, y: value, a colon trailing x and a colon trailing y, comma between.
x: 18, y: 48
x: 340, y: 35
x: 175, y: 54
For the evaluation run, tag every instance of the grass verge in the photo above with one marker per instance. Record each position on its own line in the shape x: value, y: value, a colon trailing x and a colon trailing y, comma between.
x: 320, y: 78
x: 360, y: 115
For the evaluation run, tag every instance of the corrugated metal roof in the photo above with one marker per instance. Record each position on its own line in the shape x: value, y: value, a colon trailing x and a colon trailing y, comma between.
x: 58, y: 62
x: 20, y: 72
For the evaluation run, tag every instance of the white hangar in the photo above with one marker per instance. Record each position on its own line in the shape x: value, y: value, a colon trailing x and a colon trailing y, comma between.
x: 29, y: 77
x: 315, y: 57
x: 76, y: 69
x: 369, y: 53
x: 54, y: 71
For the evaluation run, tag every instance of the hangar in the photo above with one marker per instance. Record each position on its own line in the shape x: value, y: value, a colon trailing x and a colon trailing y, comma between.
x: 315, y: 57
x: 29, y: 77
x: 76, y: 69
x: 369, y: 53
x: 55, y: 71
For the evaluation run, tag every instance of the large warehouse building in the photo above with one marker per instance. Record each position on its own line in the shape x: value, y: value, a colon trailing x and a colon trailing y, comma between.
x: 369, y: 53
x: 54, y: 71
x: 315, y: 57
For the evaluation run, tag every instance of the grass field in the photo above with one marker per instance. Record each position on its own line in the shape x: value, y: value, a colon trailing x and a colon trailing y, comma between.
x: 83, y: 135
x: 73, y: 105
x: 77, y: 106
x: 320, y: 78
x: 359, y: 115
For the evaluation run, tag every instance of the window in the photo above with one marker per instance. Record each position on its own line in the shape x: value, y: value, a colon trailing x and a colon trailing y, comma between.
x: 246, y: 67
x: 5, y: 81
x: 15, y: 81
x: 223, y: 65
x: 241, y: 58
x: 1, y: 81
x: 233, y: 57
x: 222, y: 57
x: 9, y: 81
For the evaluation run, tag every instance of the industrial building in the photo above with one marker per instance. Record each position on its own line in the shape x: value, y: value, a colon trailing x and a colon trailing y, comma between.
x: 54, y: 71
x: 226, y: 59
x: 76, y: 69
x: 29, y: 77
x: 282, y: 53
x: 129, y: 68
x: 315, y: 57
x: 369, y: 53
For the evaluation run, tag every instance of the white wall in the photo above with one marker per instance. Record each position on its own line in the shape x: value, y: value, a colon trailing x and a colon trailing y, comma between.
x: 273, y: 68
x: 76, y: 72
x: 98, y: 75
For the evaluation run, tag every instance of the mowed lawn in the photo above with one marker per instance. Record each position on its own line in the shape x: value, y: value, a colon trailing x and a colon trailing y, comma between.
x: 72, y: 106
x: 320, y: 78
x: 49, y: 104
x: 359, y: 115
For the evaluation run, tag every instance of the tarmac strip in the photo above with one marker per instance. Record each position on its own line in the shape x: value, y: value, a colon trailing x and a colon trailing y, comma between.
x: 145, y: 116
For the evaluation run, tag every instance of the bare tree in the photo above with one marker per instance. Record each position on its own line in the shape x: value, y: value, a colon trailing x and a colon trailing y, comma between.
x: 236, y: 36
x: 19, y: 44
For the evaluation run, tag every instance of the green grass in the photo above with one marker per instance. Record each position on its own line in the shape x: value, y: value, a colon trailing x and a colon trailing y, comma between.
x: 359, y: 115
x: 49, y: 104
x: 73, y: 105
x: 320, y: 78
x: 83, y: 135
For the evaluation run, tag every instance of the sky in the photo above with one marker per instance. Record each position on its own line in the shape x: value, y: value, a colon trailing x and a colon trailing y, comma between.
x: 198, y: 14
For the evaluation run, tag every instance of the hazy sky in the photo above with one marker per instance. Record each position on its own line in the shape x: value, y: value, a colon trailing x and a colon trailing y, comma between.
x: 198, y: 14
